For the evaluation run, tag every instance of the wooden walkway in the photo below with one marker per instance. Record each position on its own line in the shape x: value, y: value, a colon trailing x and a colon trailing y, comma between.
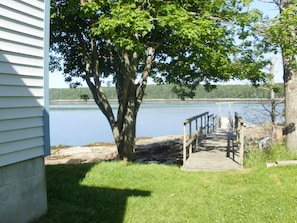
x: 212, y: 153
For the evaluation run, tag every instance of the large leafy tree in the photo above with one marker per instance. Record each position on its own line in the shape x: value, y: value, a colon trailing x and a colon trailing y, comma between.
x: 179, y: 42
x: 282, y: 34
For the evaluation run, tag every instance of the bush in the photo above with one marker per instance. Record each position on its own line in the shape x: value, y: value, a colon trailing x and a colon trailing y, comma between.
x: 84, y: 97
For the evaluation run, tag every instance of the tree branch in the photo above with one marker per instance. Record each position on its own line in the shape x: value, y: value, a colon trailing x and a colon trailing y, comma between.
x: 145, y: 74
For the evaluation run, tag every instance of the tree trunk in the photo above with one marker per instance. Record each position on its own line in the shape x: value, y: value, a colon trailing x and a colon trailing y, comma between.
x: 130, y: 96
x: 290, y: 85
x: 128, y: 106
x: 125, y: 138
x: 273, y: 104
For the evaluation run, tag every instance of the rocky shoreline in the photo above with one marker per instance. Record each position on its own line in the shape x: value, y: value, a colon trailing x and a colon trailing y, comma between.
x: 164, y: 149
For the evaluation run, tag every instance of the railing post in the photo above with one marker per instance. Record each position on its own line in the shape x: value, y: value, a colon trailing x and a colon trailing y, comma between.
x: 190, y: 136
x: 185, y: 144
x: 197, y: 134
x: 201, y: 125
x: 208, y: 124
x: 205, y: 122
x: 239, y: 127
x: 189, y: 139
x: 241, y: 149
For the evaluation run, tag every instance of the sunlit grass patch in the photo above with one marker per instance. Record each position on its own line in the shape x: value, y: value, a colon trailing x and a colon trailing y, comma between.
x: 128, y: 192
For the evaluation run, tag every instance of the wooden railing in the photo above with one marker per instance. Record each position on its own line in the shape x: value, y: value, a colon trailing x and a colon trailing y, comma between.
x: 239, y: 130
x: 194, y: 128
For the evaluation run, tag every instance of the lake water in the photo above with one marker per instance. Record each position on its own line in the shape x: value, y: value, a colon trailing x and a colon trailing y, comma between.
x: 84, y: 124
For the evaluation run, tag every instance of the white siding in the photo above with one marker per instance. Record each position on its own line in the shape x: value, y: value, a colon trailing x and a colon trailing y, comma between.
x: 22, y: 71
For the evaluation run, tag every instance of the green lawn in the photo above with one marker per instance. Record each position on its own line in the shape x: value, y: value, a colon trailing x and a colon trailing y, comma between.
x: 118, y: 192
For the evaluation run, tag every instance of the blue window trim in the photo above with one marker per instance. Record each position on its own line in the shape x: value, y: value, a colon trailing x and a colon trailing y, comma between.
x: 46, y: 124
x: 46, y: 133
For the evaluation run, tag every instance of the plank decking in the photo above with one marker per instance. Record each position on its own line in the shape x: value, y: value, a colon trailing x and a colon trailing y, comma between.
x: 212, y: 154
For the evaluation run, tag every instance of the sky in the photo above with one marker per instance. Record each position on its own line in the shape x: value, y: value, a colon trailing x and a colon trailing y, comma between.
x: 56, y: 79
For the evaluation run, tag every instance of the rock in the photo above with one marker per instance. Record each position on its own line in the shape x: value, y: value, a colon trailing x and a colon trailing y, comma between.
x: 81, y: 154
x: 282, y: 163
x: 164, y: 149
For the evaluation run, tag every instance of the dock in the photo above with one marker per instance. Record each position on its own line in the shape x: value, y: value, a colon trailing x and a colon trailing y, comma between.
x: 213, y: 146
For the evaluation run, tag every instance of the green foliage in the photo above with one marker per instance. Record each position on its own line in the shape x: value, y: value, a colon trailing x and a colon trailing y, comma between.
x: 85, y: 97
x: 259, y: 158
x: 177, y: 42
x: 282, y: 31
x: 193, y: 41
x: 125, y: 192
x: 281, y: 35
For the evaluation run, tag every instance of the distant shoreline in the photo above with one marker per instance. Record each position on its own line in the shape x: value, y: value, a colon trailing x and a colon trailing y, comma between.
x: 222, y: 100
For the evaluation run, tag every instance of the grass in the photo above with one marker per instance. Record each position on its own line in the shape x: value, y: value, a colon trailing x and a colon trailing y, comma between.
x: 119, y: 192
x: 258, y: 158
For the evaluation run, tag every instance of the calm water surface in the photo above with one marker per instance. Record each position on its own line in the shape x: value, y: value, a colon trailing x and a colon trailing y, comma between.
x: 84, y: 124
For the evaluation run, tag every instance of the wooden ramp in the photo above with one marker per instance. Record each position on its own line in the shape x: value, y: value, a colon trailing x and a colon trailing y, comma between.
x: 212, y: 153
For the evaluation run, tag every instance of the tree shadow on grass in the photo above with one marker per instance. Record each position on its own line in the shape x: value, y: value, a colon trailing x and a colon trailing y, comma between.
x: 69, y: 201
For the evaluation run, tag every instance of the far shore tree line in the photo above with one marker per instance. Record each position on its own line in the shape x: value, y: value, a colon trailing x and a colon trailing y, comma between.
x: 166, y: 92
